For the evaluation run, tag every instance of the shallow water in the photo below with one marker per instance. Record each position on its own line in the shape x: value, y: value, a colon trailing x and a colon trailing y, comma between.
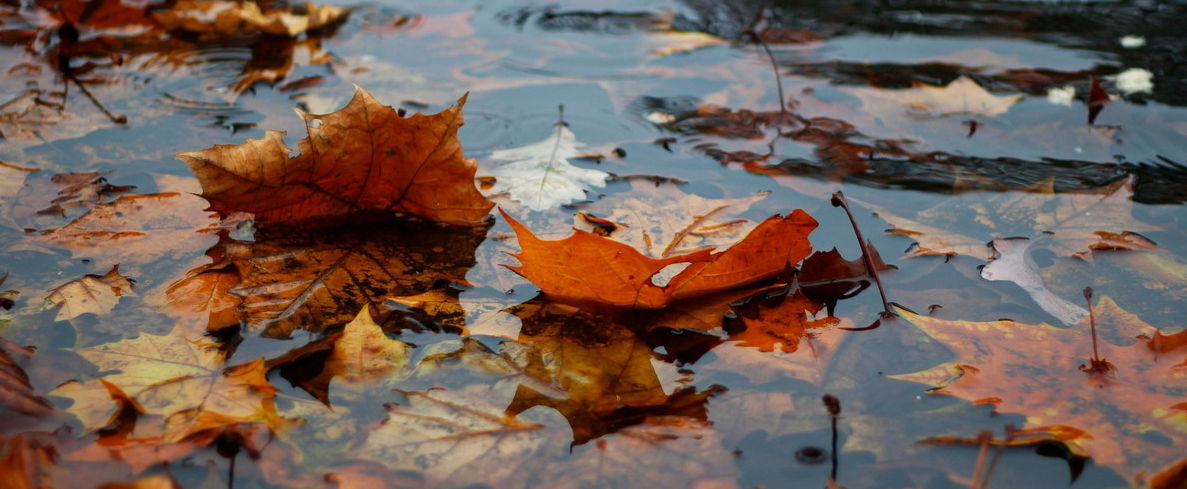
x: 607, y: 65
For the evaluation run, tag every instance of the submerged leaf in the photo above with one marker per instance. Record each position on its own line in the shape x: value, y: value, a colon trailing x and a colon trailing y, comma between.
x: 1075, y: 223
x: 93, y: 294
x: 1036, y: 370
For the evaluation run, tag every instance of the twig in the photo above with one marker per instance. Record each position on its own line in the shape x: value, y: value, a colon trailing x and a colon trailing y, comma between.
x: 838, y: 200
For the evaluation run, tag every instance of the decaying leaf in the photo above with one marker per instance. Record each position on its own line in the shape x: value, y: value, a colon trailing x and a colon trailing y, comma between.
x: 1075, y: 223
x: 181, y: 380
x: 93, y: 294
x: 222, y: 19
x: 362, y: 158
x: 1036, y: 370
x: 16, y: 393
x: 962, y: 96
x: 586, y: 268
x: 539, y: 174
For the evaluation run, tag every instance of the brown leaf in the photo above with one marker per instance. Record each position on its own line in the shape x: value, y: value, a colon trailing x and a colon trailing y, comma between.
x: 362, y: 158
x: 182, y: 381
x: 591, y: 269
x: 1036, y: 370
x: 134, y: 230
x: 94, y: 294
x: 961, y: 96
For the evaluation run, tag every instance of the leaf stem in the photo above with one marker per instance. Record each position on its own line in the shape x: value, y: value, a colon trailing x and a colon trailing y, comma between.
x: 838, y: 200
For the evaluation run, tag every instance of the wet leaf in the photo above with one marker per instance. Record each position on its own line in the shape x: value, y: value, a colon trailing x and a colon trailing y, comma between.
x: 364, y: 353
x: 540, y: 176
x: 586, y: 268
x: 181, y: 380
x: 1074, y: 223
x: 1035, y: 370
x: 91, y: 294
x: 12, y: 179
x: 134, y: 230
x: 455, y: 438
x: 362, y: 158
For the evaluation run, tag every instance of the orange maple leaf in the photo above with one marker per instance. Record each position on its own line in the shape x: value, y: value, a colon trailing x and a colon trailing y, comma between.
x: 589, y: 269
x: 1036, y: 370
x: 362, y: 158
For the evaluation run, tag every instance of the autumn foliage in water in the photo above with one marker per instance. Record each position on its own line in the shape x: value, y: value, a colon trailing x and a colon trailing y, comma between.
x: 364, y: 305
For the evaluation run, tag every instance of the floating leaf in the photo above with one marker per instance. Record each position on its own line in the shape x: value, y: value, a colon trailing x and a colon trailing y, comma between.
x: 362, y: 158
x: 586, y: 268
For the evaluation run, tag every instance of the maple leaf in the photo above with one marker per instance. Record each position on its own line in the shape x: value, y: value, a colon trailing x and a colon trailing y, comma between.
x: 961, y: 96
x: 134, y: 230
x: 179, y: 379
x: 16, y: 393
x: 94, y: 294
x: 1075, y: 223
x: 300, y: 281
x: 362, y: 158
x: 539, y: 174
x: 1036, y: 370
x: 456, y: 438
x: 586, y: 268
x: 224, y: 19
